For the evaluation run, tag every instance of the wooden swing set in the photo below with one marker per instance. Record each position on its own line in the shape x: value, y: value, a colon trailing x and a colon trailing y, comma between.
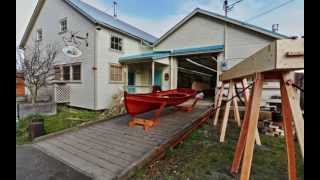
x: 276, y: 63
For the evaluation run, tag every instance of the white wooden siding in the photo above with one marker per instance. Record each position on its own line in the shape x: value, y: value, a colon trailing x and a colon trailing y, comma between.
x: 105, y: 56
x: 49, y: 20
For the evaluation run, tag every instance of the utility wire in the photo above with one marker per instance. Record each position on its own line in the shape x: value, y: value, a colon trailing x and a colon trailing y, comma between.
x: 243, y: 90
x: 270, y: 10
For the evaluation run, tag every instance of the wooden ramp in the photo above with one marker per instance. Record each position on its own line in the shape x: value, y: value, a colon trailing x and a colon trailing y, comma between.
x: 112, y: 150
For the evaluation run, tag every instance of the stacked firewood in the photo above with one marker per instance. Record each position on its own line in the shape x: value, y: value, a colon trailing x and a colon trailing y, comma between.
x: 271, y: 128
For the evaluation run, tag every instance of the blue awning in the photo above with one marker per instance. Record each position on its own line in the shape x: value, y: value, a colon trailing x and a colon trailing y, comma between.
x: 197, y: 50
x: 145, y: 56
x: 152, y: 55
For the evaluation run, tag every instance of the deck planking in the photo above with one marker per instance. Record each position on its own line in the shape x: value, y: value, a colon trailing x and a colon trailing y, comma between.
x: 112, y: 150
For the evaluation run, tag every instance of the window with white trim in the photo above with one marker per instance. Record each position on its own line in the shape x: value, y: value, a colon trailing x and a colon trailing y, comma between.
x: 57, y: 73
x: 115, y: 73
x: 39, y: 35
x: 63, y: 25
x: 68, y: 72
x: 76, y: 72
x: 116, y: 43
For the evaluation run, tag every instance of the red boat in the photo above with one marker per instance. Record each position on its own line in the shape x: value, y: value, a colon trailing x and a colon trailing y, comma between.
x: 140, y: 103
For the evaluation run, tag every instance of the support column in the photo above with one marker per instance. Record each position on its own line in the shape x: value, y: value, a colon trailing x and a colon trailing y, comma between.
x: 125, y: 79
x: 152, y: 72
x: 252, y: 127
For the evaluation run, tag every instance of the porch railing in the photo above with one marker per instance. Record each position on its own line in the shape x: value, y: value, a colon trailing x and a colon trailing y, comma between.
x: 138, y: 89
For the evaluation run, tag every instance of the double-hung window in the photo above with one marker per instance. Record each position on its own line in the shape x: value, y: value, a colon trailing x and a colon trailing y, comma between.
x: 76, y: 72
x: 63, y: 25
x: 115, y: 73
x: 116, y: 43
x: 68, y: 72
x: 57, y: 73
x: 39, y: 35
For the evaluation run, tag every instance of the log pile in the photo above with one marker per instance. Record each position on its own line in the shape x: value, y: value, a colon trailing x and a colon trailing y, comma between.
x: 272, y: 128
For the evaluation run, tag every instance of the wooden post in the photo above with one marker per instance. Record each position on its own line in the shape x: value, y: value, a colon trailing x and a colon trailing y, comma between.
x: 242, y: 140
x: 253, y: 122
x: 288, y: 130
x: 235, y: 108
x: 152, y: 72
x: 244, y: 130
x: 246, y: 98
x: 216, y: 97
x: 295, y: 111
x: 226, y: 112
x: 218, y: 104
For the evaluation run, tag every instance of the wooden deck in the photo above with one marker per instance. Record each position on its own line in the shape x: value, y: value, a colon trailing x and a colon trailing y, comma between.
x: 112, y: 150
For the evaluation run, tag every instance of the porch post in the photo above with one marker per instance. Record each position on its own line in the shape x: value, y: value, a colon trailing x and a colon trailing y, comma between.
x: 152, y: 72
x: 125, y: 85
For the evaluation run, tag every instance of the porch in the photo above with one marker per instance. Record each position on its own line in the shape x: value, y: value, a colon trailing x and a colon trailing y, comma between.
x: 195, y: 68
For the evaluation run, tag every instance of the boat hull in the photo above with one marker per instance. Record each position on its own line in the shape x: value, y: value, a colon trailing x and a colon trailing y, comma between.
x: 140, y: 103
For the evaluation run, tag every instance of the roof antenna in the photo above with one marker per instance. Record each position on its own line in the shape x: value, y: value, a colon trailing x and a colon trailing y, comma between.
x: 115, y: 9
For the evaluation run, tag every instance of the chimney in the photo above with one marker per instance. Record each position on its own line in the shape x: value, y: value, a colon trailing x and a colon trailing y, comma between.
x: 275, y: 27
x: 114, y: 9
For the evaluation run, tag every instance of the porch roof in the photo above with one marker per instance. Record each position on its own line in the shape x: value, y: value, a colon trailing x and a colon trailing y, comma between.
x: 151, y: 55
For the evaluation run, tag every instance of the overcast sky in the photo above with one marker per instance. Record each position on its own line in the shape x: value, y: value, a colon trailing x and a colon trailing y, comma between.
x: 156, y: 17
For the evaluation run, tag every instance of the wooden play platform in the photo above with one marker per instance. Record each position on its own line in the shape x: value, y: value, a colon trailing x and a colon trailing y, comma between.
x: 112, y: 150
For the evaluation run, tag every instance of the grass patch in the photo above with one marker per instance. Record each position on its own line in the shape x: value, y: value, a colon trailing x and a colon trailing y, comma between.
x: 201, y: 156
x: 66, y: 117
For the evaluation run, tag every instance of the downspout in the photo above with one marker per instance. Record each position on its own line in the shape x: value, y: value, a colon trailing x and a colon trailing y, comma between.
x: 94, y: 68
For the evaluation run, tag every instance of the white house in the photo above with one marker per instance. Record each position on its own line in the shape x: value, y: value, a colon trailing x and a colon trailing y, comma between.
x: 194, y: 49
x: 117, y: 54
x: 96, y: 75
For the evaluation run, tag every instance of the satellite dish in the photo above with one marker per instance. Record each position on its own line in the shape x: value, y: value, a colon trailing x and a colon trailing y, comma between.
x: 71, y: 51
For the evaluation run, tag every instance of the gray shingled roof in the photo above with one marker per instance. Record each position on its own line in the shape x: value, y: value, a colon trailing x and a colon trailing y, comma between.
x: 109, y: 21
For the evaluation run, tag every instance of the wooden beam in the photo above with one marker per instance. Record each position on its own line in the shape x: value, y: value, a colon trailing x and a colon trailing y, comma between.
x: 194, y: 72
x: 226, y: 112
x: 235, y: 108
x: 295, y: 110
x: 216, y: 117
x: 246, y: 97
x: 288, y: 130
x: 241, y: 141
x: 270, y: 58
x: 244, y: 130
x: 253, y: 122
x: 200, y: 65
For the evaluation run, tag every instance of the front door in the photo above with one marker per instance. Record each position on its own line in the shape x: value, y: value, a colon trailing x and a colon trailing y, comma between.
x: 131, y: 80
x: 157, y: 77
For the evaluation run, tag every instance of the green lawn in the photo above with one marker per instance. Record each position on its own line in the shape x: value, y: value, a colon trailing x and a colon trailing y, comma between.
x: 201, y: 156
x: 57, y: 122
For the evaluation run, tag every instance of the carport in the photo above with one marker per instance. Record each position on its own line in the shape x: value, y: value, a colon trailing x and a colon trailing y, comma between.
x: 197, y: 68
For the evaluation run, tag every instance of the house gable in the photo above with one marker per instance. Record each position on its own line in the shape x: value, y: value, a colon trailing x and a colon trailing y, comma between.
x: 223, y: 19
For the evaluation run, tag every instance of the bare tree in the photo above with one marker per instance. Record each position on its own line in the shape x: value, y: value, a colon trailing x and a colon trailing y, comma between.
x: 37, y: 66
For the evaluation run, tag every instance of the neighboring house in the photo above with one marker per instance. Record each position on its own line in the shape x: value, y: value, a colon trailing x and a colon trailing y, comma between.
x: 20, y: 86
x: 194, y: 49
x: 117, y: 55
x: 96, y: 75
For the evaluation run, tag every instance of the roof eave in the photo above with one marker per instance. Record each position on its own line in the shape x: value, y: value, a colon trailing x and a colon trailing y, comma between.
x: 31, y: 23
x: 103, y: 24
x: 124, y: 32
